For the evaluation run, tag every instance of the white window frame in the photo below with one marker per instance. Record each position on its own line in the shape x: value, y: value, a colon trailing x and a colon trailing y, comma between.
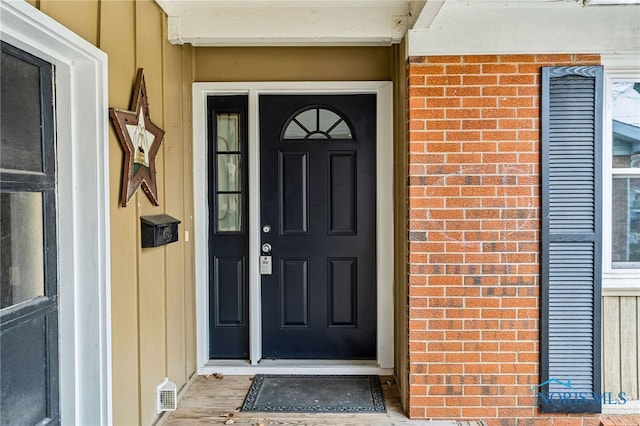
x: 82, y: 197
x: 615, y: 281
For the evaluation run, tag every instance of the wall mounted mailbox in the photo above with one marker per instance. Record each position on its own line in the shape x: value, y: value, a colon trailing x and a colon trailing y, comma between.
x: 158, y: 230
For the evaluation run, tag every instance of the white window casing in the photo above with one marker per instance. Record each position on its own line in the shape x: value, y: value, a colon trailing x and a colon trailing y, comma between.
x: 618, y: 281
x: 82, y: 196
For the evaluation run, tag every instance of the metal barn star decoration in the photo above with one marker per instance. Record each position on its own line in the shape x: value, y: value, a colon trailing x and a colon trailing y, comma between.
x: 140, y: 138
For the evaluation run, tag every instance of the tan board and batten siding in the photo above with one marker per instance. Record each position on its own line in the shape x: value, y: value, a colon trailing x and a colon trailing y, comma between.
x: 153, y: 322
x: 621, y: 345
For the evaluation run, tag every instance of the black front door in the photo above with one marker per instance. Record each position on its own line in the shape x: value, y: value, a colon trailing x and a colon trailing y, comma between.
x: 318, y: 210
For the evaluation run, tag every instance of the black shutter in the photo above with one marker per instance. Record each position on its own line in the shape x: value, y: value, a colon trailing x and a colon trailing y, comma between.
x: 571, y: 239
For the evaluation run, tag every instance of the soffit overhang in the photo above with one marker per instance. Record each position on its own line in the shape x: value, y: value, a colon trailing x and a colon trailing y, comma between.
x: 435, y: 23
x: 290, y: 23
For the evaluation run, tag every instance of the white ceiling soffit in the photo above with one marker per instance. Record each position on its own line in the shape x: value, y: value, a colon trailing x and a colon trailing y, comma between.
x: 608, y: 2
x: 290, y: 23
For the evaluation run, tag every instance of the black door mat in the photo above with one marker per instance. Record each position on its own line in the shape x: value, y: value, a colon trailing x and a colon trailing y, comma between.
x: 315, y: 394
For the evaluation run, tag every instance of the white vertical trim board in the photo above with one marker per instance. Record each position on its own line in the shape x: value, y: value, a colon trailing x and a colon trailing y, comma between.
x: 83, y: 208
x: 384, y: 222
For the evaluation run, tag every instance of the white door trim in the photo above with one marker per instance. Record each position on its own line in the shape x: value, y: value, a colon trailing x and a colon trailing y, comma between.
x: 82, y: 137
x: 384, y: 218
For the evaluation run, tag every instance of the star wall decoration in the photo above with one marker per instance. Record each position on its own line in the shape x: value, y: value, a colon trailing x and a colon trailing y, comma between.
x: 140, y: 139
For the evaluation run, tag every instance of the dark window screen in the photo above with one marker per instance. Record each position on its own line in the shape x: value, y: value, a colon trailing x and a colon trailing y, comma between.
x: 21, y: 146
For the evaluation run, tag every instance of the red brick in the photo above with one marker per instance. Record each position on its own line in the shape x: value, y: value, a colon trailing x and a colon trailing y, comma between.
x: 444, y: 59
x: 443, y: 412
x: 465, y: 135
x: 464, y: 158
x: 417, y: 125
x: 499, y: 68
x: 418, y: 136
x: 462, y: 291
x: 444, y: 80
x: 466, y: 401
x: 478, y: 169
x: 440, y: 169
x: 479, y: 124
x: 478, y: 191
x: 415, y: 103
x: 528, y: 112
x: 426, y: 69
x: 515, y: 146
x: 530, y: 68
x: 463, y: 91
x: 463, y: 113
x: 480, y: 80
x: 479, y: 412
x: 443, y: 125
x: 499, y: 112
x: 517, y: 101
x: 517, y: 58
x: 499, y: 135
x: 480, y: 59
x: 416, y: 80
x: 589, y: 58
x: 519, y: 79
x: 566, y: 421
x: 463, y: 69
x: 500, y: 158
x: 450, y: 102
x: 474, y: 102
x: 554, y: 58
x: 474, y: 197
x: 422, y: 114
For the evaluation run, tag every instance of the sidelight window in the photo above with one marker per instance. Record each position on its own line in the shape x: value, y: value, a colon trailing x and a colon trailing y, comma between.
x: 229, y: 175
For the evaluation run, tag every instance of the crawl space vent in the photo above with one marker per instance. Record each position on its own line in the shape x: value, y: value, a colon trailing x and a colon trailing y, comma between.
x: 166, y: 396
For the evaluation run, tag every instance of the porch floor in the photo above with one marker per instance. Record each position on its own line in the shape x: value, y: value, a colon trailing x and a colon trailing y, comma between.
x: 211, y: 400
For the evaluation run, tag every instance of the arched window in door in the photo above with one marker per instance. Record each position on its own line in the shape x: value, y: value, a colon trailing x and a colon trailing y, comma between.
x: 317, y: 122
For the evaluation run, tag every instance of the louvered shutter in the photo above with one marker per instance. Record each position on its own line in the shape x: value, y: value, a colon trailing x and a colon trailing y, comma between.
x: 571, y: 238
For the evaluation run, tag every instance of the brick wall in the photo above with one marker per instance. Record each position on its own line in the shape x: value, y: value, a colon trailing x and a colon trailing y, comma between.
x: 474, y: 236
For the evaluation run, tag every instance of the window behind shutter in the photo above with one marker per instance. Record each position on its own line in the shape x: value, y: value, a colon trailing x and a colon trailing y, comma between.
x: 571, y: 239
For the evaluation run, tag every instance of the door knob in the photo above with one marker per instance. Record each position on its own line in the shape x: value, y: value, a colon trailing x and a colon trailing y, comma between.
x: 266, y: 248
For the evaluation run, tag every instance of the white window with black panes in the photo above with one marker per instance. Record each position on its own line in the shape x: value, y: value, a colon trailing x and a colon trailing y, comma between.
x: 621, y: 237
x: 621, y: 185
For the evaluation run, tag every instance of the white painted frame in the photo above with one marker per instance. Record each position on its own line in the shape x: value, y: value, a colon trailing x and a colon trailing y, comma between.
x: 384, y: 224
x: 82, y: 208
x: 615, y: 282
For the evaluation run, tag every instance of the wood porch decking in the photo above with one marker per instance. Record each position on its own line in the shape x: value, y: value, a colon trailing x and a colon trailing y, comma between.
x: 209, y: 400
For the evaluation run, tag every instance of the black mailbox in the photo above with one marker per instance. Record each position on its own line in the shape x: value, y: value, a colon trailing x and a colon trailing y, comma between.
x: 158, y: 230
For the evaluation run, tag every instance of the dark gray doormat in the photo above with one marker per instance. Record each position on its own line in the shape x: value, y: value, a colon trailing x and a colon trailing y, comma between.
x: 315, y: 394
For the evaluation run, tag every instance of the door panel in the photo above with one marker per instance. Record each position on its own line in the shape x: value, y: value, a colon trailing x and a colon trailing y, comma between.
x: 229, y: 291
x: 343, y: 292
x: 342, y: 191
x: 293, y: 193
x: 294, y: 292
x: 317, y: 170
